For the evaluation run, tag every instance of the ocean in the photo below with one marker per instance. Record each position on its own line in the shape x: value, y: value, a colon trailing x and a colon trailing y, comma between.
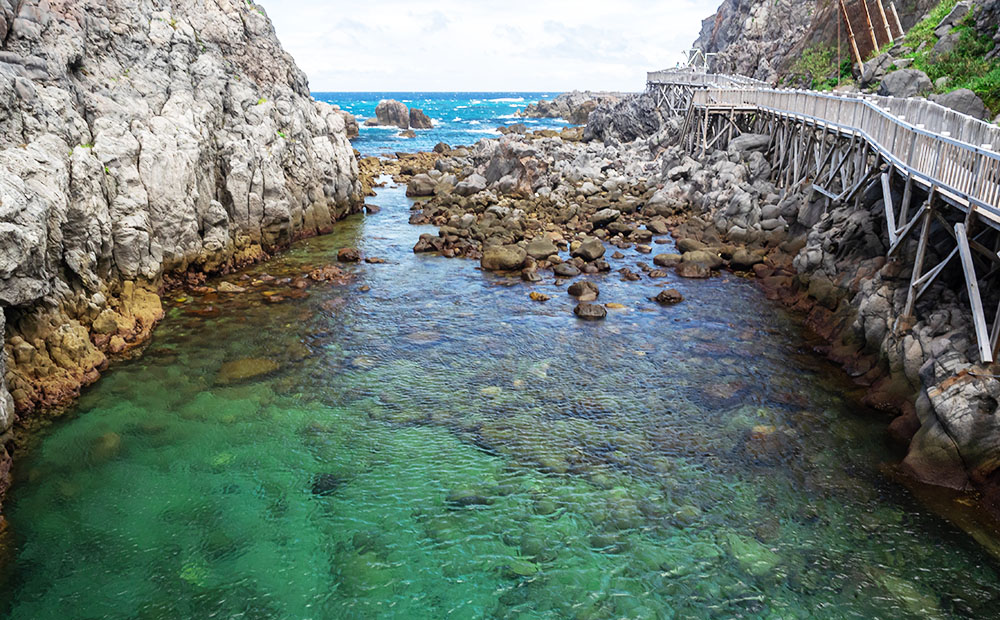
x: 459, y: 118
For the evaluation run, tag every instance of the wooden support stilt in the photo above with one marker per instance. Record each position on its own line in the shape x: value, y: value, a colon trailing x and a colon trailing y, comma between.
x: 972, y: 286
x: 905, y: 232
x: 850, y: 34
x: 904, y: 207
x: 890, y: 216
x: 918, y: 261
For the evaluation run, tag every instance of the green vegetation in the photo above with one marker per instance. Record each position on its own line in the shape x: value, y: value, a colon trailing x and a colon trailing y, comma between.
x: 281, y: 134
x: 966, y: 66
x: 261, y: 101
x: 818, y: 66
x: 923, y: 31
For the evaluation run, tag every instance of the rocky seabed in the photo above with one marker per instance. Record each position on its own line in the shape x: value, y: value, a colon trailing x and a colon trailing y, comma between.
x: 548, y: 206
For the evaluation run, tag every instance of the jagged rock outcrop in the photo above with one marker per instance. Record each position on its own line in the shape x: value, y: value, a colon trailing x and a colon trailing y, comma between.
x: 419, y: 120
x: 138, y: 139
x: 626, y: 120
x: 764, y: 38
x: 574, y: 106
x: 390, y: 113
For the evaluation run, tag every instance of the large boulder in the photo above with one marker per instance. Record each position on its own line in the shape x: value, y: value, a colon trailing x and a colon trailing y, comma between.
x: 473, y: 184
x: 945, y: 45
x: 419, y: 120
x: 905, y: 83
x: 503, y: 258
x: 634, y: 117
x: 875, y: 69
x: 392, y: 113
x: 744, y: 144
x: 590, y: 249
x: 965, y: 101
x: 541, y: 248
x: 421, y: 185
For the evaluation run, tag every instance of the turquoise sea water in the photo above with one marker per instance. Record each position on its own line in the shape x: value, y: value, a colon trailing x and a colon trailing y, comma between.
x: 438, y: 445
x: 459, y: 118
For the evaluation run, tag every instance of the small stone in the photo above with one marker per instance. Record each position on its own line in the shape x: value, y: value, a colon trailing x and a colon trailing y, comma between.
x: 584, y: 290
x: 503, y: 258
x: 591, y: 312
x: 519, y: 568
x: 591, y: 249
x: 538, y: 296
x: 565, y: 270
x: 666, y: 260
x: 668, y: 297
x: 348, y: 255
x: 464, y: 497
x: 229, y: 287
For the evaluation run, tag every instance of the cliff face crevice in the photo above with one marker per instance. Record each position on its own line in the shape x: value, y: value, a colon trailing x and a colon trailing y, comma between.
x: 139, y: 139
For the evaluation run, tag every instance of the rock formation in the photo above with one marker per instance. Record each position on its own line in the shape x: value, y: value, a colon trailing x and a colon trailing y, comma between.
x: 574, y: 106
x: 139, y: 140
x: 392, y: 113
x: 764, y: 38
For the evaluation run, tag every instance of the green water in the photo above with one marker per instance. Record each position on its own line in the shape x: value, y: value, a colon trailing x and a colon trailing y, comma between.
x: 441, y: 446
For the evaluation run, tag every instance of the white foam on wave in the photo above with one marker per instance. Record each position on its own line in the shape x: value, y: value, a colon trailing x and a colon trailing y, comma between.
x: 457, y: 119
x: 507, y: 99
x: 461, y: 107
x: 508, y: 116
x: 487, y: 131
x: 476, y: 101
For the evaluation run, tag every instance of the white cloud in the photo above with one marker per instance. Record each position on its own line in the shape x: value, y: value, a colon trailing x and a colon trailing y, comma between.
x: 455, y: 45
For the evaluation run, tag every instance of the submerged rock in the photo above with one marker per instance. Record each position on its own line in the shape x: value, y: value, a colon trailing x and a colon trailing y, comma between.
x: 348, y: 255
x: 240, y: 370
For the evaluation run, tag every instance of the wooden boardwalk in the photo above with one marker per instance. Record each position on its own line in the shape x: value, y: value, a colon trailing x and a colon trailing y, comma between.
x: 938, y: 170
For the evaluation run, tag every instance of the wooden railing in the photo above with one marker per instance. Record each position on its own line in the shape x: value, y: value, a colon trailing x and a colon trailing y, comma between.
x: 698, y: 78
x: 949, y: 150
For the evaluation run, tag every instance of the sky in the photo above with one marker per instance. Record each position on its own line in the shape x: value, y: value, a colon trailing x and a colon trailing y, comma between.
x: 456, y: 45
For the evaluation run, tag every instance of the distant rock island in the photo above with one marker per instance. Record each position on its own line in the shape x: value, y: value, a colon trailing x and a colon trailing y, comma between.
x: 392, y: 113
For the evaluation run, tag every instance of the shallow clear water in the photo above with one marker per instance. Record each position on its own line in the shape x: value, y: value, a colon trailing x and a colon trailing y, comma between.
x: 441, y: 446
x: 460, y: 119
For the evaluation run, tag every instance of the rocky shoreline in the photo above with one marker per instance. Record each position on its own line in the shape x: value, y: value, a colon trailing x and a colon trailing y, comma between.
x: 141, y: 148
x: 548, y: 210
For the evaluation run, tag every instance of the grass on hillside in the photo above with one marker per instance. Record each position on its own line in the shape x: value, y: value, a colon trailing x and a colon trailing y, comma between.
x: 966, y: 66
x: 818, y: 67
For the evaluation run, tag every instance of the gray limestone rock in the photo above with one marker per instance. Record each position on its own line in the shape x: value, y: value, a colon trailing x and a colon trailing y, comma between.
x: 965, y: 101
x: 142, y: 138
x: 392, y: 113
x: 905, y: 83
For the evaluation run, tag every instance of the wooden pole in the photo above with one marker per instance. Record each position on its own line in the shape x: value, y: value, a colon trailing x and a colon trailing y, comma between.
x: 871, y: 29
x: 895, y: 16
x: 850, y: 34
x: 885, y: 21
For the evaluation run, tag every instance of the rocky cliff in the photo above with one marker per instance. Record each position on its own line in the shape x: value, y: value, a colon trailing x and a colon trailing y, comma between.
x: 142, y: 139
x: 764, y: 38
